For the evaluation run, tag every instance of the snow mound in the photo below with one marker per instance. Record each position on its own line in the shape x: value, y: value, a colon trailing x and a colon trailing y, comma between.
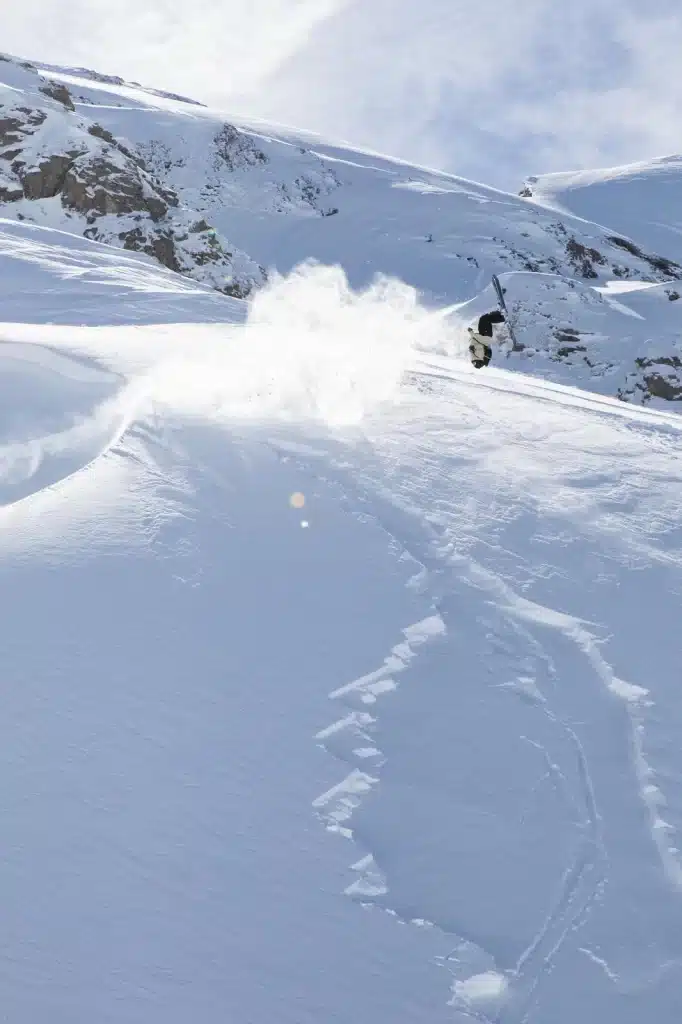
x: 57, y: 416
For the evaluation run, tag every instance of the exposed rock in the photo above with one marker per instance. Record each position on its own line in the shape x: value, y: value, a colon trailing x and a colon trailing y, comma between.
x: 10, y: 131
x: 99, y: 132
x: 48, y: 178
x: 566, y: 334
x: 660, y: 263
x: 583, y: 258
x: 160, y: 245
x: 566, y: 351
x: 10, y: 193
x: 674, y: 361
x: 58, y: 91
x: 212, y: 252
x: 668, y: 388
x: 658, y: 377
x: 309, y: 190
x: 34, y: 117
x: 236, y: 150
x: 96, y: 76
x: 100, y: 187
x: 54, y: 154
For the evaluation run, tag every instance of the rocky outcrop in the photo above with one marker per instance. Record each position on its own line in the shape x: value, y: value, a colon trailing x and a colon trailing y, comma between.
x: 658, y: 263
x: 583, y: 258
x: 52, y: 155
x: 47, y: 179
x: 660, y: 377
x: 160, y: 245
x: 234, y: 150
x: 98, y: 187
x: 58, y: 91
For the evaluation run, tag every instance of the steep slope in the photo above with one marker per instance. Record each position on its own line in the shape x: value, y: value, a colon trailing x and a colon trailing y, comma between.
x: 284, y: 197
x: 437, y: 610
x: 642, y: 201
x: 290, y: 196
x: 63, y: 170
x: 641, y: 205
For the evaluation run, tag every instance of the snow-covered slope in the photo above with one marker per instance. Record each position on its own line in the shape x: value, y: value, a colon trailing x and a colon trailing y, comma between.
x: 340, y: 681
x: 219, y: 199
x: 62, y: 170
x: 642, y: 201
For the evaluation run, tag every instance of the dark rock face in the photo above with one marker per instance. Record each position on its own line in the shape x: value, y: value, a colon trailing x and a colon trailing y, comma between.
x: 658, y: 382
x: 47, y: 179
x: 658, y: 263
x: 160, y: 245
x: 106, y: 182
x: 100, y: 187
x: 583, y: 258
x: 57, y: 91
x: 235, y: 150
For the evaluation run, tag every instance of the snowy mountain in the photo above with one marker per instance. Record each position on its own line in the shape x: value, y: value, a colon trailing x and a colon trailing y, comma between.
x: 340, y: 680
x: 64, y: 170
x: 222, y: 200
x: 642, y: 200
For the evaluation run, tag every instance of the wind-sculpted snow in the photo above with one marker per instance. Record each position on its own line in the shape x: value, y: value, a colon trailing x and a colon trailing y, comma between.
x: 81, y: 412
x: 519, y: 791
x: 341, y: 681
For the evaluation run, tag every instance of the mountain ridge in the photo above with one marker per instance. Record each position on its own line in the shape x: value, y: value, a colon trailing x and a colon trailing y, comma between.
x: 228, y: 202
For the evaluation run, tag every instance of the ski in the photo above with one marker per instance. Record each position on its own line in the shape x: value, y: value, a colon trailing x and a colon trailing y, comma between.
x: 503, y: 308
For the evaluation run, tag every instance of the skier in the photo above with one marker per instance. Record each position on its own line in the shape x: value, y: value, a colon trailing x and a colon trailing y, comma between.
x: 481, y: 352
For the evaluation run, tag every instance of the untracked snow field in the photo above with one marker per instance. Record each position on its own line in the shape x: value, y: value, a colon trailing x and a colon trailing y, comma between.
x: 340, y: 682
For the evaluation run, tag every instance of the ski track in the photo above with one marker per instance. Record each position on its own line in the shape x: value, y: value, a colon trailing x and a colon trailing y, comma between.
x: 550, y: 663
x: 366, y: 477
x: 583, y: 877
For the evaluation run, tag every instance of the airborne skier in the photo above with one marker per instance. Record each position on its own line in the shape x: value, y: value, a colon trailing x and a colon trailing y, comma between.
x: 479, y: 347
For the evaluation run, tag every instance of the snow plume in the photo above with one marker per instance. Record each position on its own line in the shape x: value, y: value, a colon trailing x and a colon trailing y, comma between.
x: 312, y: 348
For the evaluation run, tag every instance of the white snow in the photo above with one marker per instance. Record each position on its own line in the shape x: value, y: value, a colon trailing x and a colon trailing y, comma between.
x: 482, y: 989
x: 279, y: 197
x: 640, y: 200
x: 419, y: 760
